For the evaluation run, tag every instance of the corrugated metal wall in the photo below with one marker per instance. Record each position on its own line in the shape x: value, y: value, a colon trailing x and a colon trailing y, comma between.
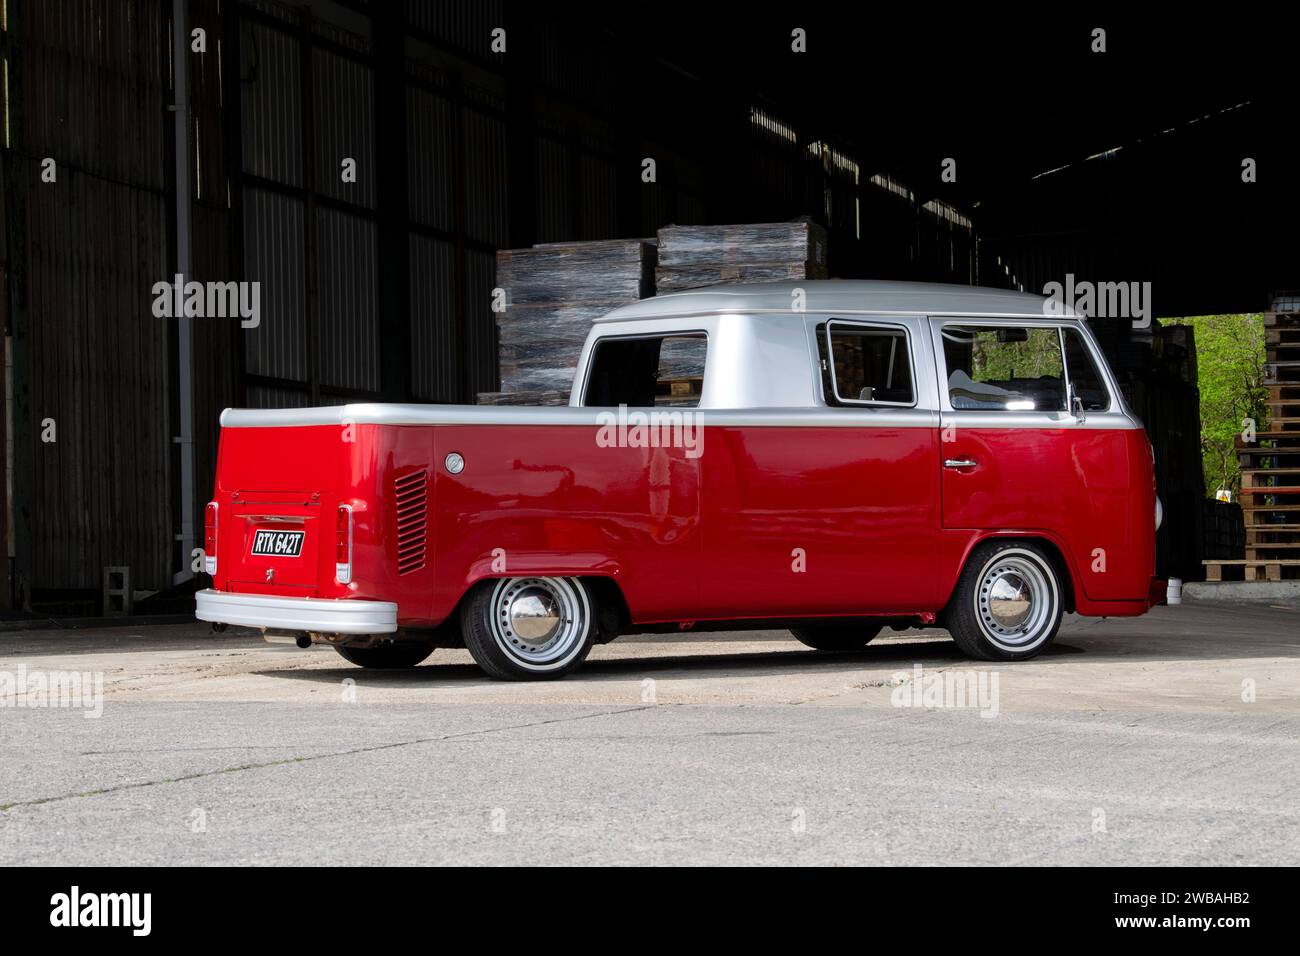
x: 378, y: 288
x: 486, y: 193
x: 430, y: 166
x: 344, y: 99
x: 274, y: 257
x: 480, y: 350
x: 309, y: 235
x: 271, y: 119
x: 435, y: 354
x: 554, y: 203
x: 312, y: 239
x: 86, y: 88
x: 347, y: 333
x: 217, y: 343
x: 598, y: 211
x: 465, y: 25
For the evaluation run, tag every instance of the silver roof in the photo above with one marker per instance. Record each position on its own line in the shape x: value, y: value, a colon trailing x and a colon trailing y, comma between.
x: 840, y: 295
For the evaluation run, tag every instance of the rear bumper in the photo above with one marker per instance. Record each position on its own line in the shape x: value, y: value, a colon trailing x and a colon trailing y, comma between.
x: 323, y: 615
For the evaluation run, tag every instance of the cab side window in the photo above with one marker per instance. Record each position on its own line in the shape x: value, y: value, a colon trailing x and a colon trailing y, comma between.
x: 646, y: 372
x: 1004, y: 368
x: 865, y: 364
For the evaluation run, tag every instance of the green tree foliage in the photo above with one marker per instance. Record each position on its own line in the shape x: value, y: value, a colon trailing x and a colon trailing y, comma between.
x: 1037, y: 356
x: 1230, y: 376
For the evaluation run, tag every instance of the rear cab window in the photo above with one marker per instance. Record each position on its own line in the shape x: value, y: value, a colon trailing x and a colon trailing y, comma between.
x: 647, y: 371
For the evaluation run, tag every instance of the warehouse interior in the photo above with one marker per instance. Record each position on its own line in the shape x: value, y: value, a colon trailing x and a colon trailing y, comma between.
x: 942, y: 149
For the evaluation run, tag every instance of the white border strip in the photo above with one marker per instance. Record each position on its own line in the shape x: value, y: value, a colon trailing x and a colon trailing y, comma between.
x: 882, y: 417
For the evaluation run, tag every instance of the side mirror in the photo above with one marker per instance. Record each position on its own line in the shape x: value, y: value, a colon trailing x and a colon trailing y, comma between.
x: 1076, y: 405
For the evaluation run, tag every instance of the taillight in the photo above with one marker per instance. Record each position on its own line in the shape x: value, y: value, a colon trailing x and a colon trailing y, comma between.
x: 343, y: 545
x: 210, y: 538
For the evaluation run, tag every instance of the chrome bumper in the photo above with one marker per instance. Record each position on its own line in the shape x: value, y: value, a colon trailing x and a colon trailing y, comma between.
x: 322, y: 615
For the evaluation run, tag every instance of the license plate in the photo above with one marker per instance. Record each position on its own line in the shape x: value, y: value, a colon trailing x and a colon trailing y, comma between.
x: 278, y: 544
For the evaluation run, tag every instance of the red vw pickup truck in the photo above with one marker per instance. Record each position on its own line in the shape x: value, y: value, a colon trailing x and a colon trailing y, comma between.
x: 832, y: 457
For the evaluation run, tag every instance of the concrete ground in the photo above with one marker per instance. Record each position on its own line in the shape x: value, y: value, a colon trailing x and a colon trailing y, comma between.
x: 1167, y: 739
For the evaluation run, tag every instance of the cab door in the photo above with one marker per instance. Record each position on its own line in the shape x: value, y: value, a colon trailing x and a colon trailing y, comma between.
x: 1004, y: 427
x: 830, y: 510
x: 1021, y: 452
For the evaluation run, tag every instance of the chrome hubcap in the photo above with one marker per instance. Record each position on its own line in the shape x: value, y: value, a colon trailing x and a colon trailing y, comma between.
x: 1010, y: 601
x: 1016, y: 600
x: 540, y: 622
x: 534, y: 615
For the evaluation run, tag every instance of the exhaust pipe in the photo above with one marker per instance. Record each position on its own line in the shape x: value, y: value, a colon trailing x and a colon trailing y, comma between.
x: 301, y: 638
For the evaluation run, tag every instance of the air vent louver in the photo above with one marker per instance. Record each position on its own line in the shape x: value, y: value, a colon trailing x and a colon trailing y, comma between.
x: 411, y: 492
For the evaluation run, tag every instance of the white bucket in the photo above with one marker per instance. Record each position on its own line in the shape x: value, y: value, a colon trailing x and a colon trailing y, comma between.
x: 1175, y: 593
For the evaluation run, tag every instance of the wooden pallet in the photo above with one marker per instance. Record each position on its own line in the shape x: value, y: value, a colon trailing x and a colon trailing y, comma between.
x: 1250, y: 458
x: 1270, y: 473
x: 1270, y: 464
x: 1272, y: 569
x: 1282, y: 361
x: 1257, y: 532
x: 1271, y: 434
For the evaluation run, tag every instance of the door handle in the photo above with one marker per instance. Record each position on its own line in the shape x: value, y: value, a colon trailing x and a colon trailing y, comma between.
x: 959, y: 463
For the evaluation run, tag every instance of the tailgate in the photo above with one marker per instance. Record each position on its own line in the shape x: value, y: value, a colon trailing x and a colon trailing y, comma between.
x: 278, y: 490
x: 275, y: 539
x: 324, y: 511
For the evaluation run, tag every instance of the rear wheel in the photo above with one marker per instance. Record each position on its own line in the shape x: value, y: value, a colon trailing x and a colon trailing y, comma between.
x: 529, y: 628
x: 1008, y: 603
x: 837, y: 637
x: 400, y: 654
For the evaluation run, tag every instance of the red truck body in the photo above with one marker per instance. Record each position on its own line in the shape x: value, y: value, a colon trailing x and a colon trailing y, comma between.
x: 660, y: 524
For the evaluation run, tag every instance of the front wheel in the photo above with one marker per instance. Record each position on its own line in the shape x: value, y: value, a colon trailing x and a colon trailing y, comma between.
x: 837, y: 637
x: 400, y: 654
x: 1008, y: 603
x: 529, y: 628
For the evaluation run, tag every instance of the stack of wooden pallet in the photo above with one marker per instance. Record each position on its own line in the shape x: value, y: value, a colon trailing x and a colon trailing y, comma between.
x: 553, y: 292
x: 1270, y: 465
x: 691, y: 257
